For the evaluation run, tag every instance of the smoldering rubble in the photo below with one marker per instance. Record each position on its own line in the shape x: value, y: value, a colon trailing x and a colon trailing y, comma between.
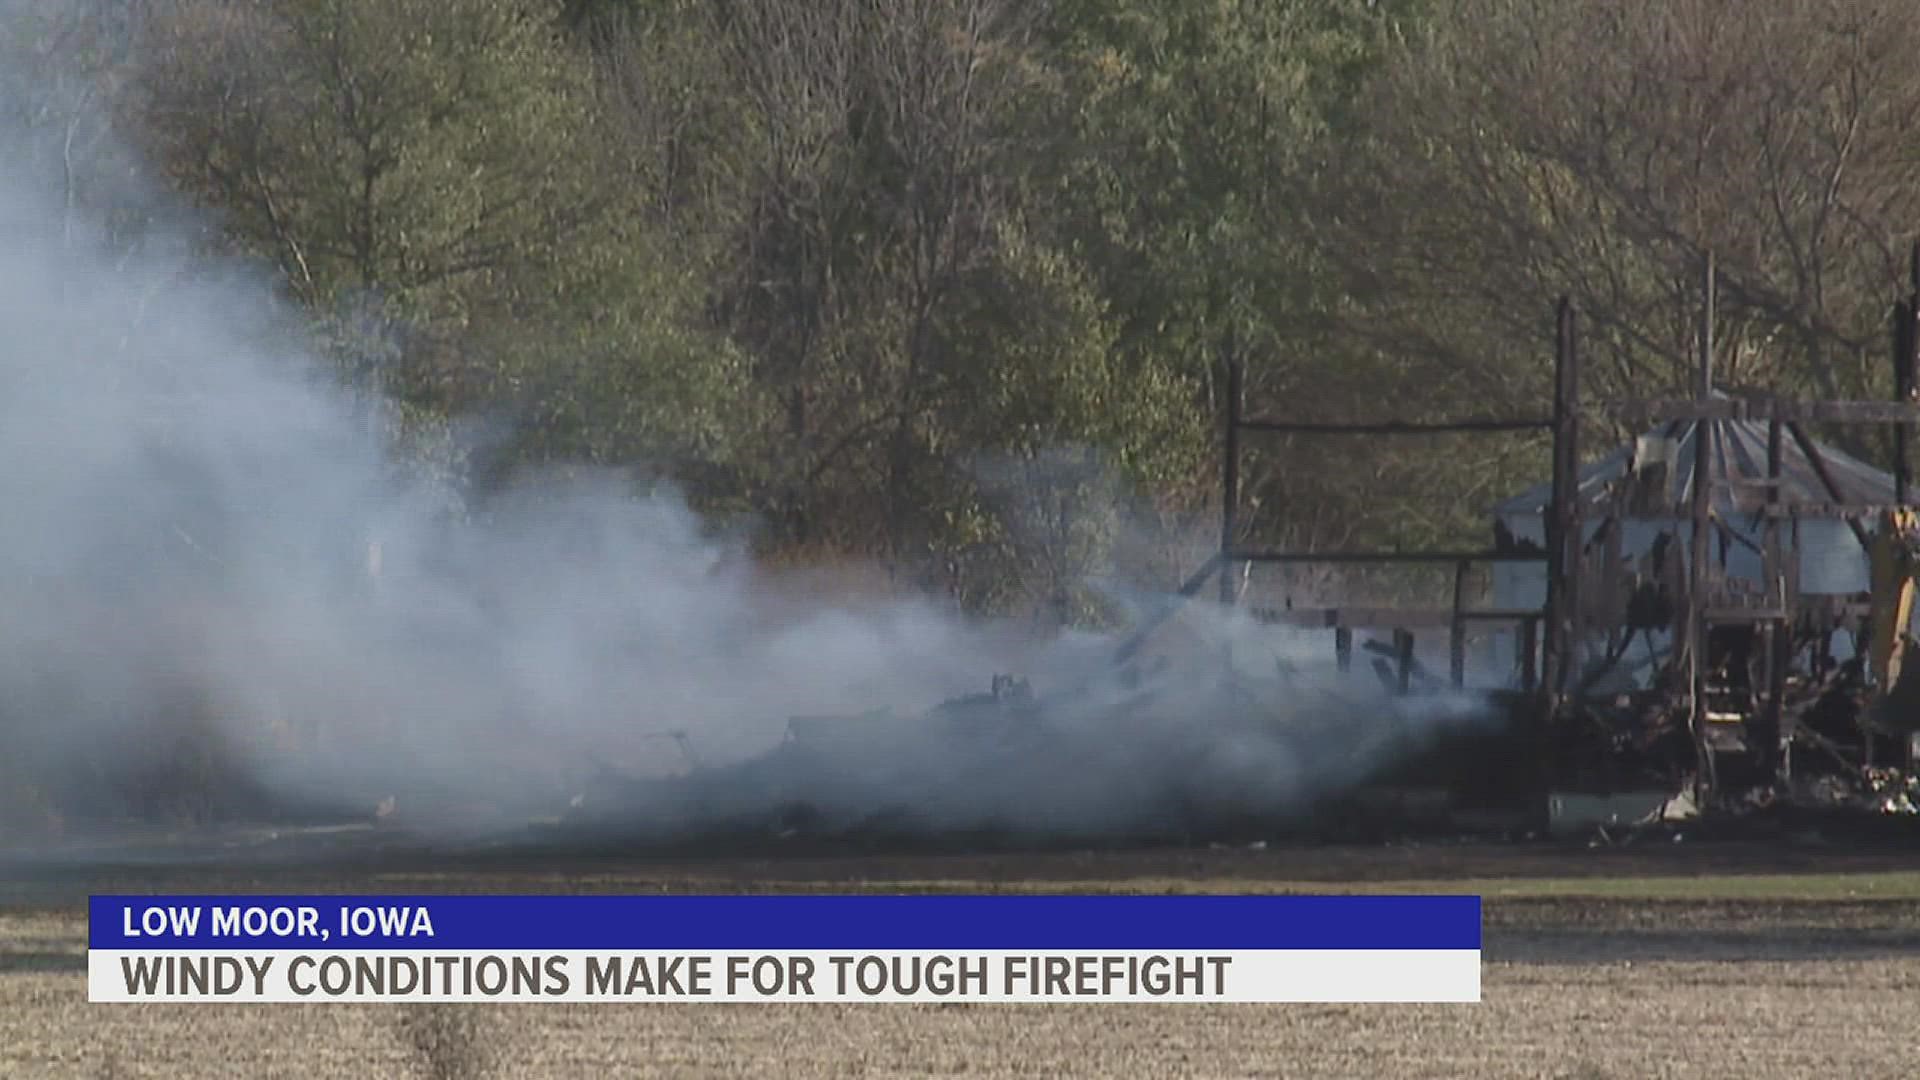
x: 228, y: 596
x: 1185, y: 753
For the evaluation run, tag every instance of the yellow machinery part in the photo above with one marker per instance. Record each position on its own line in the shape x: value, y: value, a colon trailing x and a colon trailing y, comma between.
x: 1894, y: 566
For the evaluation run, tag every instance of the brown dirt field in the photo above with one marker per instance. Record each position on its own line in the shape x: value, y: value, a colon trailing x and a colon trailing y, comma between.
x: 1793, y: 976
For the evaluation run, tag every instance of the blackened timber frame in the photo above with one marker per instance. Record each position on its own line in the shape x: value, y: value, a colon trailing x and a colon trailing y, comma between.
x: 1562, y: 548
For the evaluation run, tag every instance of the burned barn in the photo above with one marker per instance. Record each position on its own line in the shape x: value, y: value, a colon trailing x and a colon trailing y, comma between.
x: 1634, y: 507
x: 1715, y: 614
x: 1717, y: 611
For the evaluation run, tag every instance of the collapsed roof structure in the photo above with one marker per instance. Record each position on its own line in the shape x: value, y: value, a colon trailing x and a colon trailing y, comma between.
x: 1634, y: 505
x: 1723, y: 605
x: 1672, y: 610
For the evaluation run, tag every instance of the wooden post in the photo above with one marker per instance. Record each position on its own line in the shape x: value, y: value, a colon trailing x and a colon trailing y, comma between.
x: 1557, y: 495
x: 1903, y: 344
x: 1778, y: 636
x: 1573, y: 561
x: 1403, y: 659
x: 1697, y: 576
x: 1343, y: 648
x: 1457, y: 629
x: 1230, y: 483
x: 1909, y: 376
x: 1906, y: 371
x: 1562, y: 533
x: 1905, y: 376
x: 1559, y: 528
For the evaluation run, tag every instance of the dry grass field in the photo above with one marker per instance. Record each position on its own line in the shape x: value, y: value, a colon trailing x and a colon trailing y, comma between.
x: 1718, y: 961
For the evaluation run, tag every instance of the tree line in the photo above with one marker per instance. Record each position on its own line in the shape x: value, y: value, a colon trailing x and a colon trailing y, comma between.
x: 951, y: 285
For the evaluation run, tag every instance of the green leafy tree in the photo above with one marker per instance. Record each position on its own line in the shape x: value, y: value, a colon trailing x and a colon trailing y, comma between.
x: 1193, y: 144
x: 443, y: 170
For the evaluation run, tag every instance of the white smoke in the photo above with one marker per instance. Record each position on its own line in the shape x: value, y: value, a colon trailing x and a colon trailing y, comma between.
x: 191, y: 513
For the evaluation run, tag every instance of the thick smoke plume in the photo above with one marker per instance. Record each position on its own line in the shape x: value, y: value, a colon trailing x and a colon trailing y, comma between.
x: 208, y: 550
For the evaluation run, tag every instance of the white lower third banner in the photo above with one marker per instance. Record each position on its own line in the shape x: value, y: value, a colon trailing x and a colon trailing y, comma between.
x: 1291, y: 975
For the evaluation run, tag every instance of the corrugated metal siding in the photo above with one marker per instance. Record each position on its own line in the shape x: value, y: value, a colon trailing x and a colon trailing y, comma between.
x: 1737, y: 458
x: 1831, y: 561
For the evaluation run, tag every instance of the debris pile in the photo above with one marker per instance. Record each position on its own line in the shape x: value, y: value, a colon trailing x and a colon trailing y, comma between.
x: 1169, y: 759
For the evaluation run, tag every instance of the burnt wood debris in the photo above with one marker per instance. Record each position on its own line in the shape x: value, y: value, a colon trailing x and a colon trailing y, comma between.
x: 1742, y: 700
x: 1689, y: 638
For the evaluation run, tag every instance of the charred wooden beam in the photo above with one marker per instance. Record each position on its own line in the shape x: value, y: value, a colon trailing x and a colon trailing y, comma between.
x: 1906, y: 370
x: 1386, y: 557
x: 1903, y: 345
x: 1370, y: 618
x: 1457, y: 628
x: 1562, y: 525
x: 1776, y: 638
x: 1818, y: 460
x: 1397, y: 662
x: 1188, y: 589
x: 1399, y: 427
x: 1230, y: 481
x: 1696, y: 625
x: 1573, y: 566
x: 1649, y: 410
x: 1753, y: 497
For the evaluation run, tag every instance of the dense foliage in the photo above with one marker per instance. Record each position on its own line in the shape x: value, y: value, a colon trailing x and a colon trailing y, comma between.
x: 950, y: 284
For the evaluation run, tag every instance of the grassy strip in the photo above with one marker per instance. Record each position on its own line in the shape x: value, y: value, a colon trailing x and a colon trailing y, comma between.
x: 1828, y: 886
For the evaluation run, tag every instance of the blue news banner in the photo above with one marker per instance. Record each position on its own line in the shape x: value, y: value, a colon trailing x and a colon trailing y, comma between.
x: 784, y: 948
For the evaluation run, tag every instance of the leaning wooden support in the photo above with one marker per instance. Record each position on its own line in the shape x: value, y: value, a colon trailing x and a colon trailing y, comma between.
x: 1187, y: 590
x: 1697, y: 599
x: 1811, y: 450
